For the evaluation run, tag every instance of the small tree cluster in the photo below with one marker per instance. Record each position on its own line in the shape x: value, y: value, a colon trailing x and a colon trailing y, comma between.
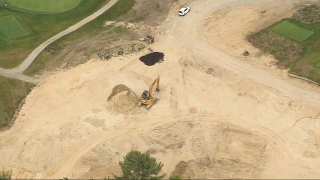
x: 137, y: 165
x: 5, y: 175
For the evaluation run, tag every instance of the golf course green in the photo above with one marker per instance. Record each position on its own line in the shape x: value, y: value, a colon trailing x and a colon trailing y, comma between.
x: 10, y: 27
x: 44, y: 6
x: 292, y: 31
x: 22, y: 30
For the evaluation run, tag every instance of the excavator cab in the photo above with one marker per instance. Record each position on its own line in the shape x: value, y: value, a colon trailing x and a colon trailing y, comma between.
x: 144, y: 96
x: 148, y: 39
x: 147, y: 98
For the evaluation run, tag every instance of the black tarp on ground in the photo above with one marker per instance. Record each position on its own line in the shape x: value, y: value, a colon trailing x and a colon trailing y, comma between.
x: 152, y: 58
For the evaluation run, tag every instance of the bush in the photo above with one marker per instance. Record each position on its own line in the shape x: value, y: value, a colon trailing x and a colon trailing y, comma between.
x: 137, y: 165
x: 5, y: 175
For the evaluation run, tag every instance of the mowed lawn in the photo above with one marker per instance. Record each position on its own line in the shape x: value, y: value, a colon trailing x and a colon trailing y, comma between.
x: 45, y: 6
x: 11, y: 28
x: 39, y: 27
x: 292, y: 31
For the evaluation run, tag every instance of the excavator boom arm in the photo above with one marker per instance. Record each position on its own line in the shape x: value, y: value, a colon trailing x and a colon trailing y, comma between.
x: 153, y: 84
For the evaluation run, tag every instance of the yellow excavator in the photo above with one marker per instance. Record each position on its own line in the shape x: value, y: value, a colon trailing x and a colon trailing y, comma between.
x: 148, y: 39
x: 147, y: 98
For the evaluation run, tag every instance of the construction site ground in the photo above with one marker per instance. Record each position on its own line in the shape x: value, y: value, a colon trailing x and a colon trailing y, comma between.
x: 219, y: 114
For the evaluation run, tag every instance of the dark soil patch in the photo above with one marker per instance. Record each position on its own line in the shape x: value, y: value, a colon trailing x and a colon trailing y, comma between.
x: 246, y: 53
x: 152, y: 58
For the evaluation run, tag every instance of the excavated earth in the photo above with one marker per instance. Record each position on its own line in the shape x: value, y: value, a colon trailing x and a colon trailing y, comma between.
x: 218, y: 116
x: 122, y: 99
x: 152, y: 58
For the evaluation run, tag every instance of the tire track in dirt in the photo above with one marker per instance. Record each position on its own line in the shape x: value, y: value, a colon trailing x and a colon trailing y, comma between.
x: 187, y: 32
x: 67, y: 165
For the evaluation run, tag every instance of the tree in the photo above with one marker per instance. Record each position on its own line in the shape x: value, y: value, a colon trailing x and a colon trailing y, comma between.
x: 137, y: 165
x: 5, y: 175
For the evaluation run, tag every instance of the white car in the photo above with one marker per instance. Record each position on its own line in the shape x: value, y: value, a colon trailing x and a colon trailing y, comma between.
x: 183, y: 11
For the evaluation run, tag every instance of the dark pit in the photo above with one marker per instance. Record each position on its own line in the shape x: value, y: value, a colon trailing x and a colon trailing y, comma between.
x: 152, y: 58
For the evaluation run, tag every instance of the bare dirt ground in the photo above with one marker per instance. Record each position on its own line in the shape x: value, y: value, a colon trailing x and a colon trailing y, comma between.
x: 227, y: 30
x: 212, y: 121
x: 143, y: 19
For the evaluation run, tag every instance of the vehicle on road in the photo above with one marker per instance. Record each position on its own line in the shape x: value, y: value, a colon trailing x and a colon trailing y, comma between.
x: 183, y: 11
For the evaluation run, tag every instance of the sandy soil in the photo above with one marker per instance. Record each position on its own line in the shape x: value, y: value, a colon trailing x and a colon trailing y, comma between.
x: 212, y: 121
x: 227, y: 30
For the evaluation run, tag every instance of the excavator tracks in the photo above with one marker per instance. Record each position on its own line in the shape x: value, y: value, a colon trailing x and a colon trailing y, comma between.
x: 150, y: 105
x: 139, y: 104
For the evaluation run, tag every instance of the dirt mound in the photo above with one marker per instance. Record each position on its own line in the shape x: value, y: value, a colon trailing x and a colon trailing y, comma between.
x: 122, y: 99
x: 152, y: 58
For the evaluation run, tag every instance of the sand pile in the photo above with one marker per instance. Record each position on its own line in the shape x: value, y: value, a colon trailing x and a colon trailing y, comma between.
x: 122, y: 99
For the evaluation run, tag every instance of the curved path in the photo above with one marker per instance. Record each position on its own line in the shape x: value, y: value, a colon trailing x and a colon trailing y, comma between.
x: 67, y: 165
x: 186, y: 33
x: 17, y: 72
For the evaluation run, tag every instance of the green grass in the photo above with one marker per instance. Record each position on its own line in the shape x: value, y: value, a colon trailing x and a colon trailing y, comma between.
x: 300, y: 52
x: 120, y: 29
x: 140, y: 18
x: 45, y: 6
x: 46, y: 60
x: 40, y: 28
x: 11, y: 28
x: 318, y: 64
x: 5, y: 175
x: 12, y: 94
x: 292, y: 31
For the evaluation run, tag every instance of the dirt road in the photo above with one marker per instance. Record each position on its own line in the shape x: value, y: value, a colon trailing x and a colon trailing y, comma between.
x: 186, y: 33
x: 189, y: 32
x: 217, y: 117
